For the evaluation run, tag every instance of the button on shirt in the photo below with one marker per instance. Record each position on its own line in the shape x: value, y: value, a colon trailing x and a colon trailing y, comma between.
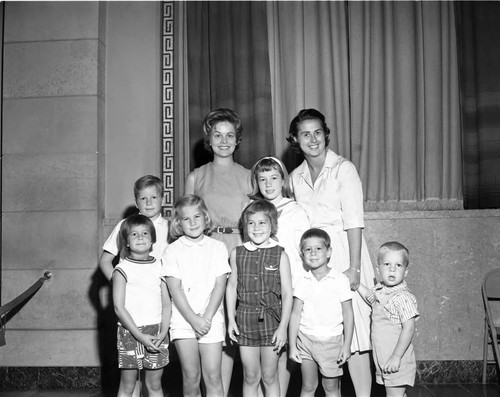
x: 322, y: 310
x: 336, y: 197
x: 399, y: 302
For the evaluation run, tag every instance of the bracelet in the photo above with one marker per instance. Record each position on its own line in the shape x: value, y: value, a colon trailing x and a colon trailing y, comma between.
x: 357, y: 270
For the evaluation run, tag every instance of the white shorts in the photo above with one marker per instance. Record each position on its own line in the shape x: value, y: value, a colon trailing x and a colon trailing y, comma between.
x: 216, y: 333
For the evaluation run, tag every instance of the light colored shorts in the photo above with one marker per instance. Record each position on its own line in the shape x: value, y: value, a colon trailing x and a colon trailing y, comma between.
x: 133, y: 355
x: 323, y: 351
x: 216, y: 333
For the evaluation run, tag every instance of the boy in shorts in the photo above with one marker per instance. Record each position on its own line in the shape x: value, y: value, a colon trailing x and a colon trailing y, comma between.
x: 322, y: 320
x: 394, y: 312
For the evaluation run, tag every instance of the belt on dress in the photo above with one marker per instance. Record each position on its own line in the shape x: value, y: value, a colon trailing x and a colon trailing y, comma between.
x: 226, y: 230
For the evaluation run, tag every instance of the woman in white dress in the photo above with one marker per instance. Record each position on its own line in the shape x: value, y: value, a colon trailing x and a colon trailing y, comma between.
x: 328, y: 187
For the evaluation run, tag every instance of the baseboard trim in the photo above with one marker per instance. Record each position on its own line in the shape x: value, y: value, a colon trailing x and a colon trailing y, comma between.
x: 28, y: 378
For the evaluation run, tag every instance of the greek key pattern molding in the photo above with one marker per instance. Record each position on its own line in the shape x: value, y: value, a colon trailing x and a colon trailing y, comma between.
x: 168, y: 106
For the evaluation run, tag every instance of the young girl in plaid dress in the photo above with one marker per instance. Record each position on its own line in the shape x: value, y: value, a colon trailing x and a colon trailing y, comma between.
x: 259, y: 298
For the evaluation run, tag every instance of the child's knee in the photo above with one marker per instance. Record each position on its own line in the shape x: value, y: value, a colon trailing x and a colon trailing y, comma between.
x: 331, y: 386
x: 153, y: 380
x: 213, y: 379
x: 269, y: 377
x: 191, y: 377
x: 252, y: 377
x: 309, y: 386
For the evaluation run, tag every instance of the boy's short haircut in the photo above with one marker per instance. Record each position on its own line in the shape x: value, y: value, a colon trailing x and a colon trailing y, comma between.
x: 264, y: 206
x: 147, y: 181
x: 318, y: 233
x: 188, y: 200
x: 127, y: 225
x: 394, y: 246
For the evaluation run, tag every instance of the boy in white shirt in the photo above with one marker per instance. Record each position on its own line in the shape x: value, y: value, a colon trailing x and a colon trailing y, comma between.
x: 322, y: 320
x: 148, y: 193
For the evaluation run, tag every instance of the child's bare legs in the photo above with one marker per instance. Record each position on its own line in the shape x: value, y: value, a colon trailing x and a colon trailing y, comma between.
x: 398, y: 391
x: 331, y: 386
x: 189, y: 357
x: 211, y: 358
x: 228, y: 354
x: 128, y: 379
x: 269, y: 370
x: 153, y: 382
x: 361, y: 375
x: 259, y: 363
x: 250, y: 359
x: 138, y: 386
x: 283, y: 373
x: 309, y: 371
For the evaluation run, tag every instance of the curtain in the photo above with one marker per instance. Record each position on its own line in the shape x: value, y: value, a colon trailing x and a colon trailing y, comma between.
x: 479, y: 34
x: 405, y: 107
x: 309, y: 69
x: 385, y: 75
x: 228, y: 66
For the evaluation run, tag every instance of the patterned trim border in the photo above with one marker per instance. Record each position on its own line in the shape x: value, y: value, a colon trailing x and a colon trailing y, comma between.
x: 167, y: 105
x: 107, y: 376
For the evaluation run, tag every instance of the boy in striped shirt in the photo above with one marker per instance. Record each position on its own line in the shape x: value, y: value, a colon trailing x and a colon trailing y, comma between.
x: 394, y: 311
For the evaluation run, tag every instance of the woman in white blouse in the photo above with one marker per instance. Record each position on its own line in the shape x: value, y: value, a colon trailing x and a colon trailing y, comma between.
x: 328, y: 187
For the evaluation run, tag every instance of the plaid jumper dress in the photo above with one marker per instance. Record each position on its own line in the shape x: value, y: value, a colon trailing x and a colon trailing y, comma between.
x: 259, y: 294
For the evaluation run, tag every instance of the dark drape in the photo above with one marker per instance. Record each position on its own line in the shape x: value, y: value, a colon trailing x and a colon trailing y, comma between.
x: 478, y: 25
x: 228, y: 62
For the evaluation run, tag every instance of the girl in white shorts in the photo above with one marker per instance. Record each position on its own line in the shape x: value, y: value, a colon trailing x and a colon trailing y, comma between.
x: 196, y: 267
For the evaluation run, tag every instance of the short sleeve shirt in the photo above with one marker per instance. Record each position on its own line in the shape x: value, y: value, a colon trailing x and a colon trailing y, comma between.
x: 399, y: 302
x: 335, y: 198
x: 322, y: 309
x: 143, y: 289
x: 197, y: 265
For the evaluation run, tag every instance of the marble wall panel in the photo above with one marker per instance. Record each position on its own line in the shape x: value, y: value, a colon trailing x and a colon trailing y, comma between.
x: 50, y: 348
x: 65, y: 302
x: 52, y: 20
x: 54, y: 68
x: 450, y: 252
x: 49, y: 183
x: 50, y: 240
x: 50, y: 125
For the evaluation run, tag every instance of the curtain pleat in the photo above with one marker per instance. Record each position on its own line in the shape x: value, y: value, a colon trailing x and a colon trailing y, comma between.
x: 229, y: 67
x: 385, y: 74
x: 405, y: 113
x: 309, y: 68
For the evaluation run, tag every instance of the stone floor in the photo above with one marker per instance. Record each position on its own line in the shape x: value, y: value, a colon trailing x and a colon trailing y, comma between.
x: 434, y: 390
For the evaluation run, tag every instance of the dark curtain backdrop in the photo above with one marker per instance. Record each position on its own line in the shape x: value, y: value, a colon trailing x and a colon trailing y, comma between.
x: 479, y: 45
x: 399, y: 90
x: 228, y: 66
